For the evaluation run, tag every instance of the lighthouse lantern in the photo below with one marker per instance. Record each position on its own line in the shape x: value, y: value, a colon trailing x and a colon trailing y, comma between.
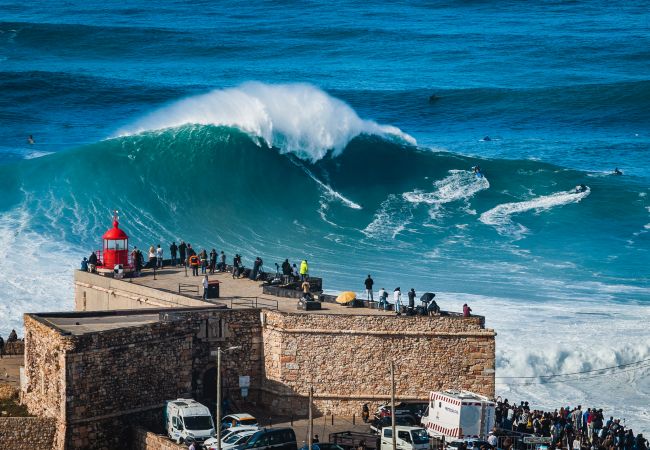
x: 116, y: 246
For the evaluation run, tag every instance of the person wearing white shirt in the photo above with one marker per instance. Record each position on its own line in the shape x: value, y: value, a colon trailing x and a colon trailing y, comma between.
x: 159, y: 255
x: 397, y: 298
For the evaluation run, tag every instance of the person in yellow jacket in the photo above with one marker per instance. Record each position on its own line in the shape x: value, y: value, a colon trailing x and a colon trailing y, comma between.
x: 304, y: 270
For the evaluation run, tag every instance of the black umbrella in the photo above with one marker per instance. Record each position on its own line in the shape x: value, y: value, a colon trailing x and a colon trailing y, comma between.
x: 427, y: 297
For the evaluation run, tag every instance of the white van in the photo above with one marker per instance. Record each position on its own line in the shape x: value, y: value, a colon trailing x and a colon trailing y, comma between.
x: 187, y: 420
x: 408, y: 438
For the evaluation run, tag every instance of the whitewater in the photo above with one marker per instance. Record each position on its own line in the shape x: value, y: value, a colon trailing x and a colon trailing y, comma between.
x: 349, y: 139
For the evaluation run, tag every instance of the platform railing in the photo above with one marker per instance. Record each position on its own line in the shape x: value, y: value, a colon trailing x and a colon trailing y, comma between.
x: 253, y: 302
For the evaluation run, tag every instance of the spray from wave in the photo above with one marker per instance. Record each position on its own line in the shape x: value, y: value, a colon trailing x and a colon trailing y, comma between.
x: 500, y: 215
x: 295, y: 118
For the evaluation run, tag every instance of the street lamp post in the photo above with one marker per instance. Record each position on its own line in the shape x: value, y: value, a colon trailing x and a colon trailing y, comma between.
x: 392, y: 403
x: 218, y: 413
x: 310, y: 441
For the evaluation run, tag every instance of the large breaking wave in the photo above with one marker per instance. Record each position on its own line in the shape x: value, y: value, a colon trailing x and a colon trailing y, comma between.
x: 296, y: 118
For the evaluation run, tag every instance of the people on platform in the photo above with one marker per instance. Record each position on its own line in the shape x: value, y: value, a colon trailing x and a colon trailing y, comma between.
x: 205, y: 287
x: 173, y: 251
x: 194, y: 263
x: 383, y: 299
x: 304, y: 270
x: 92, y: 262
x: 84, y: 264
x: 159, y: 256
x: 286, y: 271
x: 466, y: 310
x: 411, y: 295
x: 203, y: 258
x: 369, y: 283
x: 213, y: 260
x: 397, y: 299
x: 182, y: 249
x: 222, y: 263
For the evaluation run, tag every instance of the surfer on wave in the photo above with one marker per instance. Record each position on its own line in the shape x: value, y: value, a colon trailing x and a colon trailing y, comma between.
x: 477, y: 171
x: 580, y: 188
x: 617, y: 172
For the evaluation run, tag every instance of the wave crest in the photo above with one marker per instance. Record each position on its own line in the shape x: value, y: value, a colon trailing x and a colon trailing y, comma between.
x: 296, y: 118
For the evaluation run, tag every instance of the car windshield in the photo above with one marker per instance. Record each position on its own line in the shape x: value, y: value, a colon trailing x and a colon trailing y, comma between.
x: 248, y: 422
x: 231, y: 439
x: 420, y: 437
x: 198, y: 422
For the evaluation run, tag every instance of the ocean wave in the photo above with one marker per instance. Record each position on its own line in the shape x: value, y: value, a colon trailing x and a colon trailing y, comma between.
x: 295, y: 118
x: 390, y: 219
x: 500, y: 215
x: 458, y: 185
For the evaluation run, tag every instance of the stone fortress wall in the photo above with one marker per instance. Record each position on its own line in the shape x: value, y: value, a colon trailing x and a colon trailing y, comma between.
x: 98, y: 382
x: 347, y: 359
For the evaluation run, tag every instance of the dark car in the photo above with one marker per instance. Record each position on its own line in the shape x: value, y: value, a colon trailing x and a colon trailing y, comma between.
x: 272, y: 439
x: 411, y: 412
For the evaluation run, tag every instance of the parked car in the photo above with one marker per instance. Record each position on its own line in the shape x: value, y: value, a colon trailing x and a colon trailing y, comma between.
x: 225, y: 434
x: 238, y: 420
x: 410, y: 412
x: 272, y: 439
x: 234, y: 440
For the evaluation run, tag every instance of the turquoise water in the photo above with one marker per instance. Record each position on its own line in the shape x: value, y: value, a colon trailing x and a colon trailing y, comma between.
x: 296, y: 130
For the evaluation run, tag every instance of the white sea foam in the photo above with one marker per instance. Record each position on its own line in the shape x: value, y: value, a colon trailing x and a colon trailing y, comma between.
x: 35, y: 271
x: 500, y: 215
x: 390, y: 219
x: 297, y: 118
x: 459, y: 185
x: 557, y: 338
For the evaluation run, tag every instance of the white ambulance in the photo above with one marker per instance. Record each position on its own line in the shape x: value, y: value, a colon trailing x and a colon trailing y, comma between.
x: 459, y: 415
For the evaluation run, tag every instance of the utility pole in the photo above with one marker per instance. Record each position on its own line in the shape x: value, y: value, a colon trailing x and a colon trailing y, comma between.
x: 311, y: 417
x: 392, y: 403
x: 218, y: 416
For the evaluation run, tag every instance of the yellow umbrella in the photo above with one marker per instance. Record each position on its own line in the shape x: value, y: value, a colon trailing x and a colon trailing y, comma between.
x: 346, y: 297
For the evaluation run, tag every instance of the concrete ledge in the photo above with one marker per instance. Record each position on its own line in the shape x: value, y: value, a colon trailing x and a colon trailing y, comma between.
x: 485, y: 333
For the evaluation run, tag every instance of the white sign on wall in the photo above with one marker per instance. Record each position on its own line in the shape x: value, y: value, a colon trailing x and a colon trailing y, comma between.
x: 244, y: 381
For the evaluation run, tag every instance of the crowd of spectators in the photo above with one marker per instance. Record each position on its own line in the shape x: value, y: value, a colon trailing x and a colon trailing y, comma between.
x: 572, y: 428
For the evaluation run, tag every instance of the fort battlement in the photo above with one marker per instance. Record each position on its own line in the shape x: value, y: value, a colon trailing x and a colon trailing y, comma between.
x: 132, y: 344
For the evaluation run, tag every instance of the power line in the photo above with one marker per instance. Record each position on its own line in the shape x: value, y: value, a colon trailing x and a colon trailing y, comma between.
x: 530, y: 383
x: 585, y: 371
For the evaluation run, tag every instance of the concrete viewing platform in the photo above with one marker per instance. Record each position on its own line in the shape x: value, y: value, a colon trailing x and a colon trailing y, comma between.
x: 178, y: 290
x: 234, y: 292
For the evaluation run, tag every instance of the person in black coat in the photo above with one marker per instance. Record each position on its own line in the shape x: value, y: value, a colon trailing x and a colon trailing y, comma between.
x: 181, y: 250
x: 411, y: 295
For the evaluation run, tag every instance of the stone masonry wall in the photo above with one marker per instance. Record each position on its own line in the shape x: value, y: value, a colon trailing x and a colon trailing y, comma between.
x: 45, y: 390
x: 120, y: 372
x: 346, y: 359
x: 146, y: 440
x: 26, y: 433
x: 98, y: 384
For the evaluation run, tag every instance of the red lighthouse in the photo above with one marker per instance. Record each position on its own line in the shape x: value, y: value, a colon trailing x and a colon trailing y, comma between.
x: 116, y: 247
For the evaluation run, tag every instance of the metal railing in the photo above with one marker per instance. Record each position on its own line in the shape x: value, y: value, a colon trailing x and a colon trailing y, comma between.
x: 191, y: 288
x: 253, y: 302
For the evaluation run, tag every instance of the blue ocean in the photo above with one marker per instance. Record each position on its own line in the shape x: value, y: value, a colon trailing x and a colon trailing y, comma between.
x: 347, y: 133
